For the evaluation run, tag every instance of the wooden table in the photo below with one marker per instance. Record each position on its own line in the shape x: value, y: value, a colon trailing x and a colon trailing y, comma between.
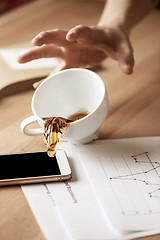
x: 134, y: 109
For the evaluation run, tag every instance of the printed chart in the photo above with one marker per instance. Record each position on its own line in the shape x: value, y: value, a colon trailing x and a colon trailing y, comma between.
x: 145, y: 175
x: 125, y: 174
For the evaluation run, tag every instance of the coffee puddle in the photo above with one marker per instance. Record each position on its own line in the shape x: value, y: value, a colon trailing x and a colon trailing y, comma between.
x: 56, y: 127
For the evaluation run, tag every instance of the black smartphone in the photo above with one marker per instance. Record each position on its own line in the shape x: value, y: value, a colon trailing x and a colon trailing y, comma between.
x: 33, y: 167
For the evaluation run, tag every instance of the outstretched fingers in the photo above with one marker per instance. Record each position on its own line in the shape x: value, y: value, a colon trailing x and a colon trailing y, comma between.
x: 41, y: 52
x: 79, y: 32
x: 56, y: 36
x: 91, y: 35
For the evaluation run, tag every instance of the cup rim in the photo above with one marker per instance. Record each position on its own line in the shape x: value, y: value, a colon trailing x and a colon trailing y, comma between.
x: 61, y: 72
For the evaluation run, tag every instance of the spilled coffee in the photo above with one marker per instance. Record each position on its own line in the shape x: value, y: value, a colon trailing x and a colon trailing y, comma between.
x: 55, y: 128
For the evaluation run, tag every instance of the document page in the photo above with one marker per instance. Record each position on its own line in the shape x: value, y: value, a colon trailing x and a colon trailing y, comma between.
x: 125, y: 174
x: 69, y: 209
x: 113, y: 193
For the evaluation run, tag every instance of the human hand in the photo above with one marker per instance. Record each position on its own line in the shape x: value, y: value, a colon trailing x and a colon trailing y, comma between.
x: 82, y: 46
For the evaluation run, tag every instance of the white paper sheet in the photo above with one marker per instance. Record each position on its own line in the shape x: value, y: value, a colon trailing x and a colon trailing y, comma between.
x: 10, y: 56
x: 78, y: 209
x: 126, y: 177
x: 69, y: 207
x: 46, y: 212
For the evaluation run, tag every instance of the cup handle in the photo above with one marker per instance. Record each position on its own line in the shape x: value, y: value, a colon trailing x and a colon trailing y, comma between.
x: 31, y: 132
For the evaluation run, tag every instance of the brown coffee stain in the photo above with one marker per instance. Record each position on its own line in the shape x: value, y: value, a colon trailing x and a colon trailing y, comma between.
x: 56, y: 127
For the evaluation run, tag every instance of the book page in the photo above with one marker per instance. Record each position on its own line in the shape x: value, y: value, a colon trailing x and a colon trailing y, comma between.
x: 125, y: 174
x: 10, y: 56
x: 13, y: 72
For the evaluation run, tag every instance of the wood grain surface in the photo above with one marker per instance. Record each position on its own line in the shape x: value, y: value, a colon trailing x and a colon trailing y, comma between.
x: 134, y: 101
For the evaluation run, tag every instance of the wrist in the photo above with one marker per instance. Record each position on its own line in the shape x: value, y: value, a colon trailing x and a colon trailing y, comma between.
x: 115, y: 24
x: 117, y: 15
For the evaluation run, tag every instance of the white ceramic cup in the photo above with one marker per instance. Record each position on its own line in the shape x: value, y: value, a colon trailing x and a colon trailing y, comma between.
x: 65, y: 93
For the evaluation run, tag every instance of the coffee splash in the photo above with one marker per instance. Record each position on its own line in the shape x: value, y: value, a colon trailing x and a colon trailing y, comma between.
x: 56, y: 127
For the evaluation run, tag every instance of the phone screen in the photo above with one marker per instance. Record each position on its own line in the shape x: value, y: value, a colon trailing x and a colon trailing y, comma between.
x: 25, y: 165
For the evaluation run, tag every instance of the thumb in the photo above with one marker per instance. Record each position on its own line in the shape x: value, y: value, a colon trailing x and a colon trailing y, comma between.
x: 126, y: 59
x: 126, y: 68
